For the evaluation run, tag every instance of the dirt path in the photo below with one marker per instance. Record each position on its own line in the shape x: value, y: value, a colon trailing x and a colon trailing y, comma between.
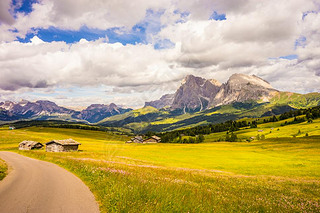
x: 38, y: 186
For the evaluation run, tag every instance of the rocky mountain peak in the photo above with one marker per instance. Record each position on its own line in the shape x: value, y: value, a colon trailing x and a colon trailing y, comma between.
x: 113, y: 106
x: 242, y: 88
x: 215, y: 82
x: 43, y: 109
x: 45, y: 103
x: 7, y: 105
x: 165, y: 100
x: 97, y: 112
x: 237, y: 81
x: 192, y: 80
x: 196, y: 93
x: 23, y: 102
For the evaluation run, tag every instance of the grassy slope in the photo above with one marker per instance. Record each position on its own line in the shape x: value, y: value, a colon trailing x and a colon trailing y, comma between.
x: 149, y: 118
x: 297, y: 100
x: 274, y: 130
x: 3, y: 169
x: 133, y: 113
x: 272, y: 175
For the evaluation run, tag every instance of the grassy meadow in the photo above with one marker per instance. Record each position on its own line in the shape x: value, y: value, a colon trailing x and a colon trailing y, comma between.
x: 3, y: 169
x: 278, y: 174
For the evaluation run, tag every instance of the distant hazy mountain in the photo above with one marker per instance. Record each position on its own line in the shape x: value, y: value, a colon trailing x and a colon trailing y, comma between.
x: 165, y: 100
x: 43, y: 110
x: 97, y: 112
x: 25, y: 109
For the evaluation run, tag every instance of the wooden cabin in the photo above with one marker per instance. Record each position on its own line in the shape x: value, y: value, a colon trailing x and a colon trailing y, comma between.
x: 62, y: 145
x: 139, y: 139
x: 153, y: 139
x: 158, y: 139
x: 29, y: 145
x: 136, y: 139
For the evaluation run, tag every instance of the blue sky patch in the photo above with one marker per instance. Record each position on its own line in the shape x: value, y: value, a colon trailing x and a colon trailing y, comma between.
x: 217, y: 16
x: 140, y: 33
x: 183, y: 16
x: 23, y: 6
x: 300, y: 42
x: 70, y: 36
x: 164, y: 44
x: 150, y: 26
x: 289, y: 57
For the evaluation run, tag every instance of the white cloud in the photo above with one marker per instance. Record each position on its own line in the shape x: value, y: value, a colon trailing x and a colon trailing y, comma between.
x: 309, y: 53
x: 5, y: 15
x: 41, y: 64
x: 254, y: 32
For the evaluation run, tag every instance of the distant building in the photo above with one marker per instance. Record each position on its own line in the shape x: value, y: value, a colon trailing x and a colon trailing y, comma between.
x: 260, y: 130
x: 153, y: 139
x: 139, y: 139
x: 29, y: 145
x: 136, y: 139
x: 11, y: 127
x: 62, y: 145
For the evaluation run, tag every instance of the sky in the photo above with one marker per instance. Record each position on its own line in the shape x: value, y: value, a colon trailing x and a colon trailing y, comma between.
x: 77, y: 53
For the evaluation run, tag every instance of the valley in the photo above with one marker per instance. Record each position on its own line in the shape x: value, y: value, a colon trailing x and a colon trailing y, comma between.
x: 197, y: 101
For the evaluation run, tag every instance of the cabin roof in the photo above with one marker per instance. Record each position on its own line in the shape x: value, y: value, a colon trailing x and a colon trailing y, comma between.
x: 65, y: 142
x: 29, y: 143
x: 139, y: 138
x: 156, y: 137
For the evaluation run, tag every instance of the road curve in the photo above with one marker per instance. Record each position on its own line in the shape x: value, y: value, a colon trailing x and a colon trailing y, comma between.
x: 38, y: 186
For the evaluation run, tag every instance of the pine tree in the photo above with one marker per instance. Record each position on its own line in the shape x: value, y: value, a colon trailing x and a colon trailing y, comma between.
x: 233, y: 137
x: 227, y: 137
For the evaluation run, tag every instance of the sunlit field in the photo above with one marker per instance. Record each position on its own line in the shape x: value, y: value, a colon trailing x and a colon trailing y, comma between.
x: 276, y: 174
x: 3, y: 169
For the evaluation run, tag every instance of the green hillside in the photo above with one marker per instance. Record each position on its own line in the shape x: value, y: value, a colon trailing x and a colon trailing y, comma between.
x: 273, y: 130
x: 151, y: 119
x: 297, y: 100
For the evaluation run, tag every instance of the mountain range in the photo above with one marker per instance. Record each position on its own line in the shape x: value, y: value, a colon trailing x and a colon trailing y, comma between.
x: 197, y: 94
x: 197, y: 101
x: 200, y: 101
x: 42, y: 110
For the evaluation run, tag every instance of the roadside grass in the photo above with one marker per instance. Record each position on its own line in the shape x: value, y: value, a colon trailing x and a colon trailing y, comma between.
x: 136, y: 188
x: 3, y: 169
x: 274, y: 175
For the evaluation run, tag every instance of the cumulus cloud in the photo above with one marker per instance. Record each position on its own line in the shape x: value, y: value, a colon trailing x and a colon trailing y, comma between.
x: 5, y: 16
x: 309, y: 53
x: 71, y: 15
x: 41, y: 64
x: 244, y: 39
x: 251, y: 40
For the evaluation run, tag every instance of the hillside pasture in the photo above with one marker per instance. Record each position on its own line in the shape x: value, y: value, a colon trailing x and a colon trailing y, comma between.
x: 271, y: 175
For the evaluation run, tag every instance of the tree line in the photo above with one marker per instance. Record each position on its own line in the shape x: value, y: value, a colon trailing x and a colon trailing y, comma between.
x: 232, y: 126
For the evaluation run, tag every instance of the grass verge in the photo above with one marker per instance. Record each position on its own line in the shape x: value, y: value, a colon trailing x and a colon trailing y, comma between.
x: 3, y: 169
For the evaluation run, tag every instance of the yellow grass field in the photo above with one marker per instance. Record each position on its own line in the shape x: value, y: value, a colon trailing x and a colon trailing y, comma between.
x: 274, y: 175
